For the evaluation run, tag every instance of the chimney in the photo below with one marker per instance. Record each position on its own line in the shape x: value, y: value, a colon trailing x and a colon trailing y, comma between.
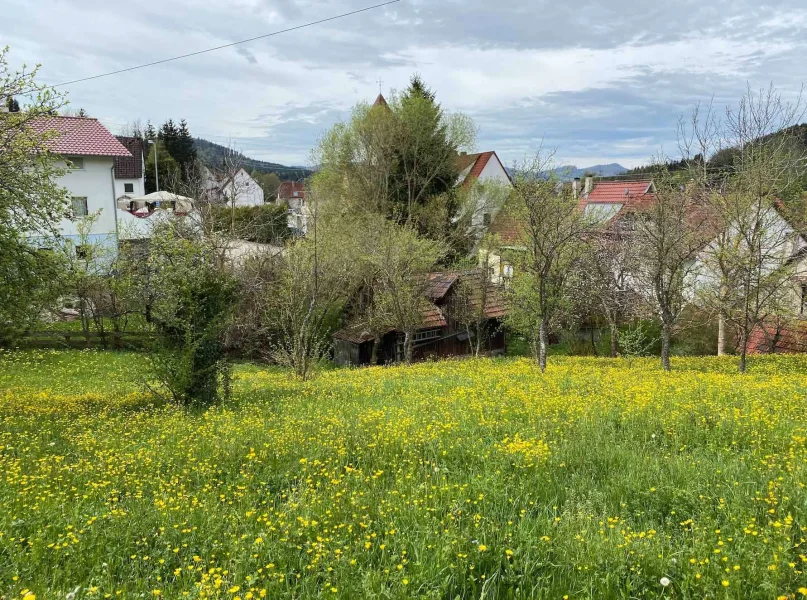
x: 589, y: 184
x: 576, y: 187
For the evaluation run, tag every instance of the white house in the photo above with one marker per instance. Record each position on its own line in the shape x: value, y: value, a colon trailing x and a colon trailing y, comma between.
x: 89, y: 151
x: 241, y: 187
x: 486, y: 171
x: 130, y: 170
x: 292, y: 193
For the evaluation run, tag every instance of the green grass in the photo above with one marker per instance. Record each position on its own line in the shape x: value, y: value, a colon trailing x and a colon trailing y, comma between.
x: 453, y: 479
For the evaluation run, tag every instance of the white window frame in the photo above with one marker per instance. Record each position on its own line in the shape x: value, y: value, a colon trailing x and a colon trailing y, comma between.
x: 428, y: 334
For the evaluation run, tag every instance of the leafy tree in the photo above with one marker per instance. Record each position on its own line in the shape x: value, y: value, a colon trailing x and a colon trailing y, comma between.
x: 31, y: 201
x: 400, y: 160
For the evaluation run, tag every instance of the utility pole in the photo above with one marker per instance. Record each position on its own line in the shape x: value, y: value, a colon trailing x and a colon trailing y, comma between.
x: 156, y: 171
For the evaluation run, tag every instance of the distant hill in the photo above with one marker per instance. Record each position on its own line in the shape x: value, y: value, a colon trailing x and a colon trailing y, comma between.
x: 213, y: 155
x: 571, y: 171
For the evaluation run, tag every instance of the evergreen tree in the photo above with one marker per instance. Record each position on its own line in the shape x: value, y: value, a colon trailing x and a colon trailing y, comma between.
x: 150, y: 133
x: 13, y: 105
x: 185, y: 150
x: 418, y: 89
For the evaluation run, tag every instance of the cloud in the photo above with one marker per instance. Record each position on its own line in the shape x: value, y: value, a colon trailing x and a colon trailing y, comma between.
x: 594, y: 79
x: 246, y: 54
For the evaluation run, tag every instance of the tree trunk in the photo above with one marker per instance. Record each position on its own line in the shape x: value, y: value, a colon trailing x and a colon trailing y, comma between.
x: 665, y: 346
x: 374, y: 351
x: 721, y: 334
x: 614, y: 340
x: 743, y: 351
x: 543, y: 342
x: 408, y: 348
x: 593, y: 341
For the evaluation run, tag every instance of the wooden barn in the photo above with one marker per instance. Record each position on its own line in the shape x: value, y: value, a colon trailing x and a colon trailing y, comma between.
x: 442, y: 333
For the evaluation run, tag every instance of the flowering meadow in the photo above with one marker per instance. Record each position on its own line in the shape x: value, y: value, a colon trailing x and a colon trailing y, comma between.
x: 460, y: 479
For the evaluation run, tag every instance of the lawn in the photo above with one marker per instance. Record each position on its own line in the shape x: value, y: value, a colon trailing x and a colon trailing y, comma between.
x: 463, y: 479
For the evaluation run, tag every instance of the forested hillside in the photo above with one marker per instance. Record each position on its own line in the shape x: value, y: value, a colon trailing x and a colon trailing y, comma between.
x: 213, y: 155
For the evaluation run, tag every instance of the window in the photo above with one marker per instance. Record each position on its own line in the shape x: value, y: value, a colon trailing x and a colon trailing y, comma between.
x: 76, y: 163
x: 79, y: 206
x: 429, y: 334
x: 296, y: 194
x: 506, y: 270
x: 486, y: 219
x: 128, y: 188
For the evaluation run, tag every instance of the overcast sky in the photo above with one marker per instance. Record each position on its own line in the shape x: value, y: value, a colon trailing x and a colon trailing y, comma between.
x: 600, y: 81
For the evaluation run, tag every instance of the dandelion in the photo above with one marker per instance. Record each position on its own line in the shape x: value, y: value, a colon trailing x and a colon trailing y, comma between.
x: 482, y: 548
x: 664, y: 581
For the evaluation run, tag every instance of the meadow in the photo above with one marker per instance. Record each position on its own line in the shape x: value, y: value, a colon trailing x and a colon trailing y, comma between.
x: 459, y: 479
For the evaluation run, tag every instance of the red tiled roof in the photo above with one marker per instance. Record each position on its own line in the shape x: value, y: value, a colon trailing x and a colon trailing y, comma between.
x: 617, y: 191
x: 779, y: 337
x: 287, y: 189
x: 79, y: 136
x: 129, y: 167
x: 433, y: 317
x: 476, y: 162
x: 439, y: 284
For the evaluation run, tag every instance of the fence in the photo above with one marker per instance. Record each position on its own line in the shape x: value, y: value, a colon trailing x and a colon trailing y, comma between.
x: 130, y: 340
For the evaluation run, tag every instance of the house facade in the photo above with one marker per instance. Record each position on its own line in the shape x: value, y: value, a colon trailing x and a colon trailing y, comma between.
x: 88, y: 152
x: 238, y: 189
x: 492, y: 181
x: 292, y: 194
x: 130, y: 181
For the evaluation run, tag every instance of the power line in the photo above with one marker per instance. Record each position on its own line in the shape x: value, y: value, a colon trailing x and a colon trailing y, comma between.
x: 165, y: 60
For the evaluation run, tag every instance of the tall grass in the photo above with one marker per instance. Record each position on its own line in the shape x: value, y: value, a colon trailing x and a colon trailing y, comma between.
x: 600, y: 479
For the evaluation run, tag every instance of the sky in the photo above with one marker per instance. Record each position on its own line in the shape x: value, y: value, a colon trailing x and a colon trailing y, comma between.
x: 598, y: 82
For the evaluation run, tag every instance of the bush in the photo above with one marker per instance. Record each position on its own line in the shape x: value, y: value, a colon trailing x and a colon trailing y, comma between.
x: 192, y: 308
x: 265, y: 224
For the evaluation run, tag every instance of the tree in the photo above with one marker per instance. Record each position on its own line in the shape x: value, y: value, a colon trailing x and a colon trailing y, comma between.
x: 89, y: 262
x: 428, y: 142
x: 475, y: 293
x: 169, y: 170
x: 665, y: 241
x: 31, y: 201
x: 307, y: 288
x: 269, y: 183
x: 606, y: 277
x: 553, y: 235
x: 748, y: 271
x: 402, y: 261
x: 191, y: 300
x: 400, y: 160
x: 12, y: 104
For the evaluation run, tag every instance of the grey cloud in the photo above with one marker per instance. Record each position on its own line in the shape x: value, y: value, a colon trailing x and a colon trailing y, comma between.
x: 267, y: 89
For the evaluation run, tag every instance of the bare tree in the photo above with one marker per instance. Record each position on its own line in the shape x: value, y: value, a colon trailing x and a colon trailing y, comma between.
x: 475, y: 294
x: 554, y: 233
x: 665, y: 242
x: 748, y: 268
x: 606, y: 276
